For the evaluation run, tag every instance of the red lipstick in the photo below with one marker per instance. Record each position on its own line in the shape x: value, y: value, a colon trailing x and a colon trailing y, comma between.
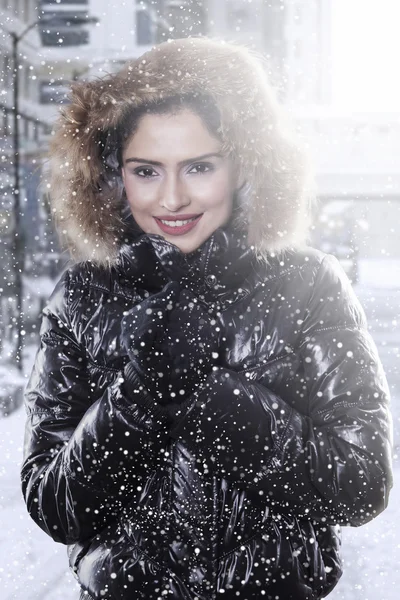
x: 178, y: 230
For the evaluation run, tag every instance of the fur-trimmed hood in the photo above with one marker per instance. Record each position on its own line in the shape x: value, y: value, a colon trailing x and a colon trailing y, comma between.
x: 86, y: 200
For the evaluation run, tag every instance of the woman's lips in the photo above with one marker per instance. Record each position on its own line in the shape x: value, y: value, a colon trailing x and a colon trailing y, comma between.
x: 178, y: 230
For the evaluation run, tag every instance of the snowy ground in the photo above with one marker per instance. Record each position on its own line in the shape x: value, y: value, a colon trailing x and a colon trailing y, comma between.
x: 372, y: 556
x: 33, y: 567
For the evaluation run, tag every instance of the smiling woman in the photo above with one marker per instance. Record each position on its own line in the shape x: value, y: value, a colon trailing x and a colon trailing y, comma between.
x: 172, y: 192
x: 206, y: 406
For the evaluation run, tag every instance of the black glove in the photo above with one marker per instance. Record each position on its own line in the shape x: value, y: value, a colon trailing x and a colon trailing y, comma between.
x: 144, y: 338
x: 193, y: 344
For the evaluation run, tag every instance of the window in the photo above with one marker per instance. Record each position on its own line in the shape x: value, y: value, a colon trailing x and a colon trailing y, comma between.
x: 63, y: 37
x: 144, y: 32
x: 63, y: 29
x: 54, y: 91
x: 44, y: 2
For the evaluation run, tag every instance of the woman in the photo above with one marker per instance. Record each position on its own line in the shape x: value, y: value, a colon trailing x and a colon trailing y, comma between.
x: 206, y: 407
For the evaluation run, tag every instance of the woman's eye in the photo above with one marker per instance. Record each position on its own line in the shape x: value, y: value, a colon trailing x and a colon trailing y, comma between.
x: 202, y: 165
x: 147, y: 169
x: 201, y: 168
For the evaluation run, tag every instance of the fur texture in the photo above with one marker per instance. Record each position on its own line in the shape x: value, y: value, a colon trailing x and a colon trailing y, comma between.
x: 86, y: 199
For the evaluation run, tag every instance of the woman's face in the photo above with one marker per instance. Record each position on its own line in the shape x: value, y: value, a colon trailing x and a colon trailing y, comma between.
x: 172, y: 168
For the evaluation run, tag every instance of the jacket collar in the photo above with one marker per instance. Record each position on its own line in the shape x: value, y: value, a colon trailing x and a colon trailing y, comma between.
x: 214, y: 269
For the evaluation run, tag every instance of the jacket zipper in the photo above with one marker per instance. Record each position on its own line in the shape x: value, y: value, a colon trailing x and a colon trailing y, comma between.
x: 214, y: 541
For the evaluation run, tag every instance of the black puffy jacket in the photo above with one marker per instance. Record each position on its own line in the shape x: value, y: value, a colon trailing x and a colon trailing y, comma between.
x: 244, y: 492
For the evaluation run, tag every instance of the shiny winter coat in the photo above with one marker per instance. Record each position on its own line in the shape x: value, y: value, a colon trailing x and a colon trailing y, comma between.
x: 244, y: 492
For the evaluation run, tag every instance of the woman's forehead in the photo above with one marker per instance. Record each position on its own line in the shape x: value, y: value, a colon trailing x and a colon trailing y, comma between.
x: 169, y: 133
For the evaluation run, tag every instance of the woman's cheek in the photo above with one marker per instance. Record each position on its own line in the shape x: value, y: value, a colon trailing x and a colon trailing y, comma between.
x: 209, y: 186
x: 140, y: 194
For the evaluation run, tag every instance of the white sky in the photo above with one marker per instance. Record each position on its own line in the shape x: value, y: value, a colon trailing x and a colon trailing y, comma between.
x: 366, y: 54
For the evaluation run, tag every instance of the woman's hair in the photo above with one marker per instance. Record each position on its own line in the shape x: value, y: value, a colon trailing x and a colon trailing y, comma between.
x: 227, y: 85
x: 116, y: 140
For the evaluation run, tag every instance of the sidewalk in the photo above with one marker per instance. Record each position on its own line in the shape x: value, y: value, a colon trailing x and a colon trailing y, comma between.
x: 372, y: 555
x: 32, y: 566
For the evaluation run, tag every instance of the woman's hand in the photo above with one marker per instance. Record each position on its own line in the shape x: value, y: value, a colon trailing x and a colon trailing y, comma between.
x: 193, y: 343
x: 144, y: 338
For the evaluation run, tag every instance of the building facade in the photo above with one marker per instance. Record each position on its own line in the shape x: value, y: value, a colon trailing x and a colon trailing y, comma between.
x: 294, y: 36
x: 17, y: 16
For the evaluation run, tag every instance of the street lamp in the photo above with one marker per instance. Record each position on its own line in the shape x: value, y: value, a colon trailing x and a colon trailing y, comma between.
x: 18, y: 246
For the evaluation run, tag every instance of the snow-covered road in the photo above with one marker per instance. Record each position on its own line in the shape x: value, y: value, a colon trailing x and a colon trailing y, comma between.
x: 372, y: 555
x: 32, y: 566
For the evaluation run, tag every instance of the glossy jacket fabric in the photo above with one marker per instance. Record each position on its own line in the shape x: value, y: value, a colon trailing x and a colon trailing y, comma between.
x: 244, y: 491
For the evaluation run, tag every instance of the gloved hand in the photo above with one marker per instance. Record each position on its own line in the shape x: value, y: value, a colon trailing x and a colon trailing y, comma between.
x: 193, y: 344
x: 144, y: 338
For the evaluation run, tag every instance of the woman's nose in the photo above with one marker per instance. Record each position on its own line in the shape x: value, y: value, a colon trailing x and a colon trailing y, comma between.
x: 173, y: 194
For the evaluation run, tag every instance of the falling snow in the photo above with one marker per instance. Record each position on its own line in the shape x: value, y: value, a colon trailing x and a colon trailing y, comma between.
x: 199, y: 399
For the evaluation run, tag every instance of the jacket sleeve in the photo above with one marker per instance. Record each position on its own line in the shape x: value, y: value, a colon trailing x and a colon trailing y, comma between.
x: 330, y: 462
x: 84, y: 457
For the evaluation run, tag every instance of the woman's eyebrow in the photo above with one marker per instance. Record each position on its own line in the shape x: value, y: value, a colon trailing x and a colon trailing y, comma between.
x: 182, y: 162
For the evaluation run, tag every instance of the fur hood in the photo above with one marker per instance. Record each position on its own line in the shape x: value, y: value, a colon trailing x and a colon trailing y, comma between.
x: 86, y: 200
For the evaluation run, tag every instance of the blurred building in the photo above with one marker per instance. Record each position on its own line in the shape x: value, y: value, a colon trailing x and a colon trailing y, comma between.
x: 31, y: 124
x: 22, y: 35
x: 65, y: 45
x: 124, y: 30
x: 25, y: 19
x: 293, y: 35
x: 356, y: 160
x: 308, y: 60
